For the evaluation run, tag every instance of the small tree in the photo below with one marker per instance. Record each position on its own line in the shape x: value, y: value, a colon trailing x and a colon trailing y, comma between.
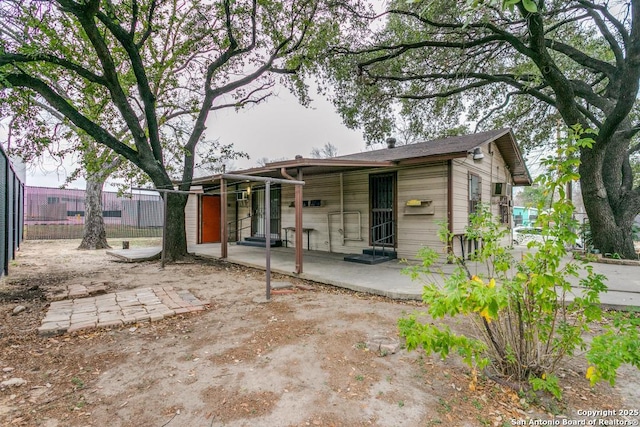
x: 525, y: 320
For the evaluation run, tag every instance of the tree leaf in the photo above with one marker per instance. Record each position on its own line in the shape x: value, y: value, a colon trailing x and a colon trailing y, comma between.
x: 530, y: 6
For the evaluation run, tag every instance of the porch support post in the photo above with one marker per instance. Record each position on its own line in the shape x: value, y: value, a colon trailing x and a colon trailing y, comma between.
x: 267, y: 232
x: 298, y: 207
x: 224, y: 239
x: 450, y: 204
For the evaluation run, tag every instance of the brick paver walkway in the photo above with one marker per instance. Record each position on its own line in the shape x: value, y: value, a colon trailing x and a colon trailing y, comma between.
x: 116, y: 309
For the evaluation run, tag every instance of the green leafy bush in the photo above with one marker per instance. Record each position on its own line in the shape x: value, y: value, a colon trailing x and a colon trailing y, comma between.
x: 525, y: 315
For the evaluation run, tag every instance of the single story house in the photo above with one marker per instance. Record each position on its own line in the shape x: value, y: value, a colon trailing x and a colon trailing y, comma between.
x: 394, y: 198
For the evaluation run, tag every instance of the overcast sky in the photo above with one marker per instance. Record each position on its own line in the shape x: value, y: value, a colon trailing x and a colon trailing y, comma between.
x: 278, y: 128
x: 281, y: 127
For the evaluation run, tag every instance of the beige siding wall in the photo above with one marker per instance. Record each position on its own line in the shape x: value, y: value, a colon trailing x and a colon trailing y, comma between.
x: 231, y: 210
x: 243, y: 209
x: 351, y: 234
x: 191, y: 217
x: 416, y: 227
x: 491, y: 169
x: 328, y: 231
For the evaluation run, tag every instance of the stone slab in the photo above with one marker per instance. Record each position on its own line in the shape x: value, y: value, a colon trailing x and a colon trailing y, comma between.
x: 117, y: 309
x: 136, y: 254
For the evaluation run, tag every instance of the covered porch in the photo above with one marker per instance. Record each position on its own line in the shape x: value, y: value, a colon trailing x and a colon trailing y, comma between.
x: 381, y: 279
x: 323, y: 267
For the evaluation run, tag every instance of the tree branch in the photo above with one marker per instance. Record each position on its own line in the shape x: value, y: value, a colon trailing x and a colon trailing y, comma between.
x: 506, y: 101
x: 613, y: 43
x: 402, y: 48
x: 605, y: 12
x: 149, y: 29
x: 13, y: 58
x: 303, y: 33
x: 629, y: 79
x: 144, y: 88
x: 85, y: 15
x: 565, y: 22
x: 134, y: 17
x: 566, y: 103
x: 581, y: 58
x: 247, y: 99
x: 485, y: 79
x: 506, y: 36
x: 60, y: 104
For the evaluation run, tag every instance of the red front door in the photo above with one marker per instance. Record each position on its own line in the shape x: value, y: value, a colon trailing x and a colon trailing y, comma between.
x: 210, y: 219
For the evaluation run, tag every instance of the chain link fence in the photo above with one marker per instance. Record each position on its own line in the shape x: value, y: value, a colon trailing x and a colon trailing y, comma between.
x: 54, y: 213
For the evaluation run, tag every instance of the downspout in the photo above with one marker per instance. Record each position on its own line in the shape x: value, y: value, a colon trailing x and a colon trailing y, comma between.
x: 450, y: 205
x: 283, y: 172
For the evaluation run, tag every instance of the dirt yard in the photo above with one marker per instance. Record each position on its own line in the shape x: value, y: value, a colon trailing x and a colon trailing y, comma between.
x: 299, y: 360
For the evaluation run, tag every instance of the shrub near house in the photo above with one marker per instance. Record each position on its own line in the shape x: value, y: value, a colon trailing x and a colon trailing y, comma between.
x: 525, y: 322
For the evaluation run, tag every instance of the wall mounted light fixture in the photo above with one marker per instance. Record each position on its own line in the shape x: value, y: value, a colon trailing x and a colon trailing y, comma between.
x: 478, y: 154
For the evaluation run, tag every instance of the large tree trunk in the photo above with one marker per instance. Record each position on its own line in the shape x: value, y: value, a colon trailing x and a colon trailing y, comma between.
x: 95, y: 236
x: 176, y: 236
x: 609, y: 201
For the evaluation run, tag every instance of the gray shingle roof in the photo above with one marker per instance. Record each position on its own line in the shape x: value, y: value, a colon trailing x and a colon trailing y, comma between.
x: 442, y: 146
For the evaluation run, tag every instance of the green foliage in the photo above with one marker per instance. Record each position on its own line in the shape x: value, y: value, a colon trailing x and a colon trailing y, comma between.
x: 525, y: 314
x: 617, y: 345
x: 533, y: 196
x: 548, y: 383
x: 441, y: 340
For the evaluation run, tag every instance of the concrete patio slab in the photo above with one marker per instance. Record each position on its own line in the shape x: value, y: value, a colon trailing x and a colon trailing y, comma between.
x: 387, y: 280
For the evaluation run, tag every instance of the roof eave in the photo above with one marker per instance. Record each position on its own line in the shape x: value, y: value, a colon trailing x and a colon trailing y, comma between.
x: 518, y: 169
x: 276, y: 167
x: 432, y: 158
x: 328, y: 162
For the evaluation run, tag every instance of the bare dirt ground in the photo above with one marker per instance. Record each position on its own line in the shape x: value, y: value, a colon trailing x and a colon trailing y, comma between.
x: 298, y: 360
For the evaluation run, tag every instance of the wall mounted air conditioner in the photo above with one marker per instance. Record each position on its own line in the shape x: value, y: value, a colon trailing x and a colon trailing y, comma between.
x: 499, y: 189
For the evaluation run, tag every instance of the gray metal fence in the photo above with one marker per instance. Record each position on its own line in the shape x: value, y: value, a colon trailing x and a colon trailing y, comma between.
x: 11, y: 212
x: 55, y: 213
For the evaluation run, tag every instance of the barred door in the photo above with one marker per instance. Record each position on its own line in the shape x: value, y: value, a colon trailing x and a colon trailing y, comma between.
x: 258, y: 212
x: 382, y: 197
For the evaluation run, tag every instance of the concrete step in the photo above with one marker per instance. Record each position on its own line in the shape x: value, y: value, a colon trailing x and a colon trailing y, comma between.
x: 366, y: 259
x: 381, y: 252
x: 256, y: 239
x: 260, y: 243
